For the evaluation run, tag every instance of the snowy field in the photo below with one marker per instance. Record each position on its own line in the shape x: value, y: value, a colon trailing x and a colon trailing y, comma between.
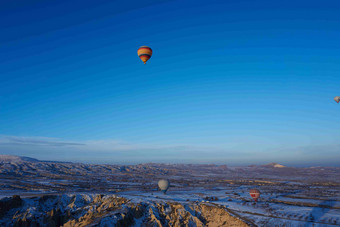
x: 265, y: 212
x: 289, y: 196
x: 272, y: 209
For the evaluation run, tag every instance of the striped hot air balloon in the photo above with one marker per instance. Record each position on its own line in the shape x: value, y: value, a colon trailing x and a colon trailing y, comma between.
x: 255, y: 194
x: 337, y: 99
x: 144, y: 53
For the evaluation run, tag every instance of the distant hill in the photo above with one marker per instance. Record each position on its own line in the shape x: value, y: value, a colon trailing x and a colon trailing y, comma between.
x: 13, y: 158
x: 274, y: 165
x: 28, y: 174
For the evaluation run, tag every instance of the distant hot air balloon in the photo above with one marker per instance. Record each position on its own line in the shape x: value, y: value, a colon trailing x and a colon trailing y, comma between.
x: 255, y: 194
x: 144, y: 53
x: 337, y: 99
x: 164, y: 185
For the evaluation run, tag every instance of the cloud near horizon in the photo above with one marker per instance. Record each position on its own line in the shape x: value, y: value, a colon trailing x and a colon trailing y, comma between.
x: 95, y: 150
x: 117, y: 151
x: 35, y: 141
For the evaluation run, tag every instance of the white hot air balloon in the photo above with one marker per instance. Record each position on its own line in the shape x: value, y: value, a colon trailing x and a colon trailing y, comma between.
x: 164, y: 185
x: 337, y: 99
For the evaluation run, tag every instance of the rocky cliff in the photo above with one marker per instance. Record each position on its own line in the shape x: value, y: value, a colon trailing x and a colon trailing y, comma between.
x: 99, y: 210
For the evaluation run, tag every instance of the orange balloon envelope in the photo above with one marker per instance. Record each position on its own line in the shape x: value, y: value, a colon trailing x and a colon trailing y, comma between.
x: 255, y: 194
x: 144, y: 53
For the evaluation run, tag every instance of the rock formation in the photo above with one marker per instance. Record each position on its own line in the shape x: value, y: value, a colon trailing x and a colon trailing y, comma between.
x: 110, y: 210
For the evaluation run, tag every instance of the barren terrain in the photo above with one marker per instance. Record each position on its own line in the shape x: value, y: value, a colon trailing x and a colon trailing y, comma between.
x: 75, y: 194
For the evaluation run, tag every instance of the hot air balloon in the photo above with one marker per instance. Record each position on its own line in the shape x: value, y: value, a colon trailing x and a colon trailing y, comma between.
x: 144, y: 53
x: 255, y: 194
x: 164, y: 185
x: 337, y: 99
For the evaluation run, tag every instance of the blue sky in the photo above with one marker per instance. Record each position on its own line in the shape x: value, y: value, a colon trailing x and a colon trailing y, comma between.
x: 239, y: 83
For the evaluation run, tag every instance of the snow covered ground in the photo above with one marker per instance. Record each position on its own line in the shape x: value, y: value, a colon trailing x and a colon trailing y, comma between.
x: 270, y: 210
x: 262, y: 213
x: 289, y: 196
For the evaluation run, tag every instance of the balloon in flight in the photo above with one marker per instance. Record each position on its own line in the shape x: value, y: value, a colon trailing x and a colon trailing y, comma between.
x: 255, y: 194
x: 163, y: 185
x: 144, y: 53
x: 337, y: 99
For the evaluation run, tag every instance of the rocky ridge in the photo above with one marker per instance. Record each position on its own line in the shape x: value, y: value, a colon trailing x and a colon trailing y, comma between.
x: 109, y: 210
